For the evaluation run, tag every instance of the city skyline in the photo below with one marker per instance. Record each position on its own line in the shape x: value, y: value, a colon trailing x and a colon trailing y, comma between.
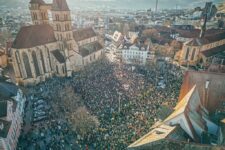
x: 122, y: 4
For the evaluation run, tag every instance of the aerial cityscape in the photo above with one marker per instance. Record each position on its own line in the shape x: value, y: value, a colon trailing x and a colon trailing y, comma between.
x: 112, y: 75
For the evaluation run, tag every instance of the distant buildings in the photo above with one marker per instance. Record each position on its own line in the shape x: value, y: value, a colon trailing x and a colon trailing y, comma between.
x: 50, y: 48
x: 12, y: 102
x: 190, y: 125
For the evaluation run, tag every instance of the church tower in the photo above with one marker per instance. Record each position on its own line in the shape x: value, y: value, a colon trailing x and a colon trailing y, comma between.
x: 62, y: 24
x: 39, y: 12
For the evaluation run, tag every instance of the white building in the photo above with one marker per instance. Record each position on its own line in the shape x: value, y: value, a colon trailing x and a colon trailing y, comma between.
x: 135, y: 55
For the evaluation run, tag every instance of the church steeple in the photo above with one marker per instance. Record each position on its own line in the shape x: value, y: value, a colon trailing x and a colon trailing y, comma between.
x: 40, y: 2
x: 62, y: 23
x: 39, y: 14
x: 60, y: 5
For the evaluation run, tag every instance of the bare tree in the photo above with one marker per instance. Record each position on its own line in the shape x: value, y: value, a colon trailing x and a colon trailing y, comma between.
x: 83, y: 122
x: 69, y: 99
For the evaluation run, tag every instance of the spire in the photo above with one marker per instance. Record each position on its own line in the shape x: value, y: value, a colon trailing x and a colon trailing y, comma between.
x: 60, y: 5
x: 37, y: 2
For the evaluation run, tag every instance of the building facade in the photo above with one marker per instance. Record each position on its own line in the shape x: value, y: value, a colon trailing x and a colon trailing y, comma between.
x: 49, y: 47
x: 134, y: 55
x: 202, y: 50
x: 11, y: 115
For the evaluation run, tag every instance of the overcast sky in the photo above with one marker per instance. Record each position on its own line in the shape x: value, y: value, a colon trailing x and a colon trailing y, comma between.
x: 137, y: 4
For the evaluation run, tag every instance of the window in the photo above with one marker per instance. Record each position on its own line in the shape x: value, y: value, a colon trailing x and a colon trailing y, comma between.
x: 27, y: 65
x: 18, y: 62
x: 66, y: 17
x: 193, y: 54
x: 57, y: 17
x: 43, y: 62
x: 35, y: 61
x: 187, y: 53
x: 58, y: 27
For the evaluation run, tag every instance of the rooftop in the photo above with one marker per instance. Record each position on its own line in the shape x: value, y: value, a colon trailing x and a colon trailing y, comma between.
x: 4, y: 128
x: 156, y: 134
x: 216, y: 87
x: 83, y: 34
x: 34, y: 35
x: 87, y: 49
x: 60, y: 5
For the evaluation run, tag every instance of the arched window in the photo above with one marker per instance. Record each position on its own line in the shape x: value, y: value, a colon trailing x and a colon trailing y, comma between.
x: 57, y: 17
x: 27, y: 65
x: 193, y: 54
x: 43, y: 62
x: 65, y: 17
x: 58, y: 28
x: 35, y: 60
x: 187, y: 53
x: 49, y: 58
x: 18, y: 62
x: 57, y: 69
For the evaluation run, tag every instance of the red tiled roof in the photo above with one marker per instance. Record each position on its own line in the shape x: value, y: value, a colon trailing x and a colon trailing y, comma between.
x: 35, y: 35
x: 83, y: 34
x: 60, y: 5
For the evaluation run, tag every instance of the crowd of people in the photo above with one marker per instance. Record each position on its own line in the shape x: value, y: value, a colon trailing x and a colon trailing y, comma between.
x: 124, y: 98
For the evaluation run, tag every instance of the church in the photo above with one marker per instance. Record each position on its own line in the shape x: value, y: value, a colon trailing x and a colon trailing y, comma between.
x: 50, y: 47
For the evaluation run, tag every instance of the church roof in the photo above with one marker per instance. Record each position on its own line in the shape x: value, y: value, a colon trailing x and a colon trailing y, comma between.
x: 37, y: 2
x: 59, y: 57
x: 60, y: 5
x: 83, y: 34
x: 35, y: 35
x: 87, y: 49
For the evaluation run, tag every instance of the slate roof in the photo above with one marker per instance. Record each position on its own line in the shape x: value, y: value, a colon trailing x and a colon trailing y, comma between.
x: 90, y: 48
x: 35, y: 35
x: 4, y: 128
x: 83, y: 34
x: 209, y: 38
x: 3, y: 109
x: 37, y: 2
x: 213, y: 51
x: 60, y: 5
x: 7, y: 90
x: 59, y: 57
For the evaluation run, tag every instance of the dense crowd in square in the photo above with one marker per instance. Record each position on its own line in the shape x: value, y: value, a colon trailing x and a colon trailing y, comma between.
x: 124, y: 98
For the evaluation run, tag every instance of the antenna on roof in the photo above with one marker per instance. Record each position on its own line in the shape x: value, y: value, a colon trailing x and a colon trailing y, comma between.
x: 156, y: 5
